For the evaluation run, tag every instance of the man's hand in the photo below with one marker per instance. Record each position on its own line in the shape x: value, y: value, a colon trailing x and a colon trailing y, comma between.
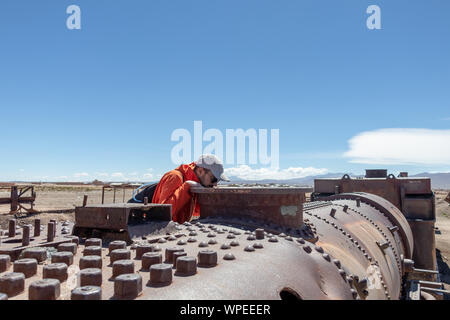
x: 193, y: 183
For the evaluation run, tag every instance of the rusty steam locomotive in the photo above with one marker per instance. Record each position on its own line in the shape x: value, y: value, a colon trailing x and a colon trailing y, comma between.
x: 368, y: 238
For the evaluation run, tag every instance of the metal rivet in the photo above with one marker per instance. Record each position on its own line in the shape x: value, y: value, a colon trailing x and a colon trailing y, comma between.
x: 229, y: 256
x: 318, y: 249
x: 211, y: 235
x: 273, y: 239
x: 249, y: 248
x: 289, y: 238
x: 258, y: 245
x: 181, y: 242
x: 337, y: 263
x: 234, y: 243
x: 231, y: 236
x: 301, y: 240
x: 282, y: 235
x: 307, y: 248
x: 203, y: 244
x: 326, y: 256
x: 192, y: 234
x: 162, y: 240
x: 212, y: 241
x: 225, y: 246
x: 251, y: 237
x: 191, y: 240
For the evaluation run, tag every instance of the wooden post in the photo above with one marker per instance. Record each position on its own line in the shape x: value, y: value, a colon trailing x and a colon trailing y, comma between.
x: 103, y: 195
x: 14, y: 199
x: 114, y: 199
x: 85, y: 198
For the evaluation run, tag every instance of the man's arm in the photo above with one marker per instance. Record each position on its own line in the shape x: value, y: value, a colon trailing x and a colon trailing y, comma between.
x: 174, y: 192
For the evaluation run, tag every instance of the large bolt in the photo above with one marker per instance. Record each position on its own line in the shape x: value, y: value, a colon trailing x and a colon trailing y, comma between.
x: 26, y: 266
x: 358, y: 202
x: 93, y: 242
x: 177, y: 255
x: 150, y: 258
x: 119, y: 254
x: 92, y: 251
x: 5, y: 262
x: 55, y: 271
x: 51, y: 227
x: 118, y: 244
x: 332, y: 212
x: 408, y: 265
x: 38, y: 253
x: 186, y: 266
x: 46, y: 289
x: 75, y: 239
x: 91, y: 277
x: 86, y: 293
x: 207, y: 258
x: 12, y: 283
x: 259, y: 233
x: 122, y: 267
x: 68, y: 247
x: 91, y: 262
x: 26, y: 235
x: 37, y: 227
x: 127, y: 286
x: 161, y: 274
x: 170, y: 252
x: 63, y: 257
x: 12, y: 228
x: 143, y: 248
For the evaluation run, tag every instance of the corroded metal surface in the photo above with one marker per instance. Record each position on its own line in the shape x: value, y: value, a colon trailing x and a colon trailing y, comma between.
x: 121, y: 221
x: 352, y: 246
x: 412, y: 196
x: 282, y: 206
x: 12, y: 243
x: 271, y: 266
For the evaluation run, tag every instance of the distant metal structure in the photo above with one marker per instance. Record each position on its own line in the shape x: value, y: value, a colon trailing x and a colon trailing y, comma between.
x: 19, y: 197
x: 448, y: 198
x: 120, y: 186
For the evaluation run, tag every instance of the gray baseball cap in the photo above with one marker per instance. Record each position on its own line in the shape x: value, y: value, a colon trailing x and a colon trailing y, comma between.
x: 211, y: 162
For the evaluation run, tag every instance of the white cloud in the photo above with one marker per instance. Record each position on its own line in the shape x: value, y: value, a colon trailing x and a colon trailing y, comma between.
x: 102, y: 174
x: 400, y: 146
x: 117, y: 175
x: 81, y: 174
x: 248, y: 173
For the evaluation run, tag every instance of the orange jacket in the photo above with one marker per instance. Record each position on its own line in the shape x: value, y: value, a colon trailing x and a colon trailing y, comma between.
x: 172, y: 190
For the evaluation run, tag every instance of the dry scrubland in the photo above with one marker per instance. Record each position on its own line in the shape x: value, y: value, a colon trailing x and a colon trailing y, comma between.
x: 53, y: 198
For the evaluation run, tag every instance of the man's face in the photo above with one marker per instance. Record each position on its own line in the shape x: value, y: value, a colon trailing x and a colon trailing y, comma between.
x: 206, y: 177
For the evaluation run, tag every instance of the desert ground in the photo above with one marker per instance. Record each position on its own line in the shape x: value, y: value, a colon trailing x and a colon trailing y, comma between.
x: 58, y: 202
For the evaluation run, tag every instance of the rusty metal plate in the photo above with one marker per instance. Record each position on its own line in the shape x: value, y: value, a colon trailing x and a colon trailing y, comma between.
x: 282, y: 206
x: 388, y: 209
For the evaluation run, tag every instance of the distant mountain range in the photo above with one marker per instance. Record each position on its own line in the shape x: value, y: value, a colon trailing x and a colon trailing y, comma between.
x: 438, y: 180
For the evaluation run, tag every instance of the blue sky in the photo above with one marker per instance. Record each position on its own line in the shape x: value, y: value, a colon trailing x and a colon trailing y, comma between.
x: 103, y: 101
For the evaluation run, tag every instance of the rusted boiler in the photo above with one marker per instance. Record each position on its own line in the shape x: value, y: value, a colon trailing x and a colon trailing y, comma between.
x: 250, y: 243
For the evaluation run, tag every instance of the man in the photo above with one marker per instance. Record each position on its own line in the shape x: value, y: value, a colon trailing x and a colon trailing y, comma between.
x: 174, y: 186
